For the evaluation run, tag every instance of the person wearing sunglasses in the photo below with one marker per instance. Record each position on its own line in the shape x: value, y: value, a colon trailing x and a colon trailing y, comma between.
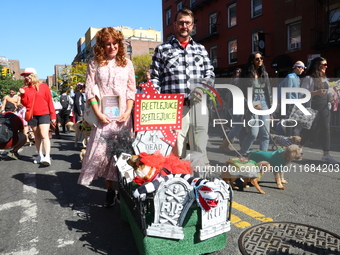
x: 255, y: 76
x: 178, y: 66
x: 292, y: 80
x: 317, y: 83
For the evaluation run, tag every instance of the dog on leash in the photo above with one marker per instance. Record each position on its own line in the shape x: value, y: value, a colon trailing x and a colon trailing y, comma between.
x: 284, y: 141
x: 274, y: 161
x: 81, y: 127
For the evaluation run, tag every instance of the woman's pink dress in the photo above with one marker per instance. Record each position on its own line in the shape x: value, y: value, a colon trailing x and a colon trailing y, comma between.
x: 111, y: 80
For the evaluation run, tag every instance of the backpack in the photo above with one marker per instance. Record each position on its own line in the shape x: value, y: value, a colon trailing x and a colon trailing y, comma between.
x: 6, y: 132
x: 64, y: 102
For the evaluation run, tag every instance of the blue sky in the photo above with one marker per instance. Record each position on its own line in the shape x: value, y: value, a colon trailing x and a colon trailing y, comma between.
x: 42, y: 34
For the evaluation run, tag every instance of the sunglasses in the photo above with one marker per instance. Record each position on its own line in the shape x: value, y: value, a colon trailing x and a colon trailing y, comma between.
x: 258, y: 59
x: 325, y: 65
x: 183, y: 23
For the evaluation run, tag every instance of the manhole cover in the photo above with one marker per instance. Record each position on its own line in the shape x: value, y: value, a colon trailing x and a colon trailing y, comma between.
x: 288, y: 238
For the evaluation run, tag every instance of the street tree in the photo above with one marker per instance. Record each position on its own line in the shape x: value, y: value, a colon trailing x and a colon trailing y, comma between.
x: 71, y: 75
x: 7, y: 83
x: 78, y: 72
x: 142, y: 65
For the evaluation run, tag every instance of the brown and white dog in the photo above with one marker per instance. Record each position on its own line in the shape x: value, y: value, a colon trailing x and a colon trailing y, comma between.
x: 148, y: 167
x: 31, y: 138
x: 284, y: 141
x: 81, y: 127
x: 275, y: 161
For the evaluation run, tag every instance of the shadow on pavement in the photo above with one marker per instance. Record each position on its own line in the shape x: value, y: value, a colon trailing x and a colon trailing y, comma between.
x: 102, y: 230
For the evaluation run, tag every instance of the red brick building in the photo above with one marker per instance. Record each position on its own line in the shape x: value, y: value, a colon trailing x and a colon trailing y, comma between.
x: 285, y: 30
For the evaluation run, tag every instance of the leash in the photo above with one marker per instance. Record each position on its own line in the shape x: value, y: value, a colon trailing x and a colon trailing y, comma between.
x: 268, y: 132
x: 218, y: 115
x: 225, y: 134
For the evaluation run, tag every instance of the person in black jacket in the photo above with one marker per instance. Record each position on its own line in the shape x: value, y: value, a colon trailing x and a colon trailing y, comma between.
x: 66, y: 102
x: 254, y: 75
x: 79, y: 101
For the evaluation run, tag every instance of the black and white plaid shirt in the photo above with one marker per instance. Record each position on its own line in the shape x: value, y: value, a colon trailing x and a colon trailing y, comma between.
x: 174, y: 70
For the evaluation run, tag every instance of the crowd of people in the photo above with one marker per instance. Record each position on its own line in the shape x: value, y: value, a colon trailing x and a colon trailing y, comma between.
x: 313, y: 79
x: 35, y: 108
x: 179, y: 66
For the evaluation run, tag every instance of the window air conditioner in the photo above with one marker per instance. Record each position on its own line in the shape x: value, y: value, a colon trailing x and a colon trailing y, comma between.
x: 294, y: 46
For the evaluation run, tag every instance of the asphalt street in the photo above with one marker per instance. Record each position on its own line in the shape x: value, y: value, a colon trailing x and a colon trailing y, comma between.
x: 44, y: 211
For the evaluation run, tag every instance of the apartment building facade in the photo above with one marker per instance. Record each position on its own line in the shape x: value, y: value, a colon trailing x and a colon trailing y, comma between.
x: 284, y: 30
x: 137, y: 42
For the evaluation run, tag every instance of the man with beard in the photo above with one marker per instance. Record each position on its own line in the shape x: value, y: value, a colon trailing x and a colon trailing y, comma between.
x: 179, y: 66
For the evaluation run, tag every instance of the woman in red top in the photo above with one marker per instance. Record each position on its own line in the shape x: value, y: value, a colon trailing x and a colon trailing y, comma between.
x: 37, y: 96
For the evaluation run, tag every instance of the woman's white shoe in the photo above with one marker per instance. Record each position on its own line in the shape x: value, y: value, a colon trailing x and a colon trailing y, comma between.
x: 46, y: 161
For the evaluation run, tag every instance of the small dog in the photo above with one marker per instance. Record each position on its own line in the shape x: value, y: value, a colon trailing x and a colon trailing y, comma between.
x: 81, y: 127
x: 134, y: 161
x: 31, y: 138
x: 284, y: 141
x: 276, y: 161
x: 143, y: 171
x: 82, y: 155
x: 149, y: 167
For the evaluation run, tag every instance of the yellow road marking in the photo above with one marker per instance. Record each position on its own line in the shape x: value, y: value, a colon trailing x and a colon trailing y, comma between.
x: 234, y: 219
x: 265, y: 219
x: 250, y: 212
x: 238, y: 223
x: 242, y: 224
x: 246, y: 210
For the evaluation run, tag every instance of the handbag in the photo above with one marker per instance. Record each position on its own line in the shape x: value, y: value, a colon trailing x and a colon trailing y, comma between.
x: 89, y: 114
x: 303, y: 120
x: 29, y: 114
x: 57, y: 105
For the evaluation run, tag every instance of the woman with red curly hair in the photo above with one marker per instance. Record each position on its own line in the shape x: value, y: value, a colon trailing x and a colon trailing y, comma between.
x: 114, y: 74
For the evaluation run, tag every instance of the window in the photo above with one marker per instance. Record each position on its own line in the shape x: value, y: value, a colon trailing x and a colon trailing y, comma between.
x: 256, y: 8
x: 194, y: 28
x: 168, y: 18
x: 232, y: 15
x: 294, y: 36
x: 212, y: 23
x: 255, y: 42
x: 334, y: 25
x: 232, y: 48
x: 213, y: 56
x: 179, y: 6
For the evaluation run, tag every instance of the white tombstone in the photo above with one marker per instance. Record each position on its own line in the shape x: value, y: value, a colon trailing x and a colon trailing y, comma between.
x: 150, y: 142
x: 215, y: 221
x: 172, y: 202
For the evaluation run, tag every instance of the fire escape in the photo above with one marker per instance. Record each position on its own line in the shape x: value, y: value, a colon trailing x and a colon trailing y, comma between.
x: 327, y: 34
